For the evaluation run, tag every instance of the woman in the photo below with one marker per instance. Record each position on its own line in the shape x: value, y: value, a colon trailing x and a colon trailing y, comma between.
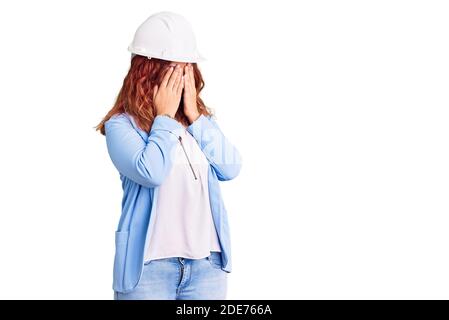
x: 172, y: 240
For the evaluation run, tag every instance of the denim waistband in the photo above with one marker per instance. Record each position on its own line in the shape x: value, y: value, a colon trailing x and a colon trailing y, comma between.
x: 178, y: 259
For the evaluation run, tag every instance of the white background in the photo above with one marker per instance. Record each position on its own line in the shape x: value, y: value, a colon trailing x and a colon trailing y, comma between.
x: 340, y: 111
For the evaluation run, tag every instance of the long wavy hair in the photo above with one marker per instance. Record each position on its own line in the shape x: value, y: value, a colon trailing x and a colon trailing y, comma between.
x: 136, y: 95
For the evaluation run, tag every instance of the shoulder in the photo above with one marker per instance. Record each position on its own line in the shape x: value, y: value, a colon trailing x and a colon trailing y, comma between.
x: 119, y: 117
x: 117, y: 120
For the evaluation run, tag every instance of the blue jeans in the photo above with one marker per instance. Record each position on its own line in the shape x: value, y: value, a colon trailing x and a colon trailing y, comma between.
x: 178, y: 278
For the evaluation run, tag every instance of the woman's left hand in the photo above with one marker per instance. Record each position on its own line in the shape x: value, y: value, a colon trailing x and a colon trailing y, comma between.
x: 189, y: 95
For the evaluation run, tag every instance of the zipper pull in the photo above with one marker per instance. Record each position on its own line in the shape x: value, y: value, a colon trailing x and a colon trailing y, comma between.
x: 182, y: 145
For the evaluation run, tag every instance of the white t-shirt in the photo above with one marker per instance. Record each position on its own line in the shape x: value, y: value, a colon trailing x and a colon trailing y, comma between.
x: 182, y: 225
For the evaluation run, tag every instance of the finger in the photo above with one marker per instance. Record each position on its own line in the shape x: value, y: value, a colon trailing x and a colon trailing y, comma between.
x: 191, y: 82
x: 192, y: 78
x: 181, y: 86
x: 167, y: 77
x: 186, y: 78
x: 173, y: 78
x: 177, y: 80
x: 155, y: 91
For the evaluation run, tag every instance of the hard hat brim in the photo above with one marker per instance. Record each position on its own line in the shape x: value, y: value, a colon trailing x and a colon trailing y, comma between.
x: 168, y: 57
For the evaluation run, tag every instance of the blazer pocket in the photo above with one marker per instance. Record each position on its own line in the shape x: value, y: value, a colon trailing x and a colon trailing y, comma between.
x: 121, y: 237
x: 121, y: 247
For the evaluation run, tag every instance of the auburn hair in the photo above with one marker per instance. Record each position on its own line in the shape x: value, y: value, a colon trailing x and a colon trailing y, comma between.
x: 136, y: 95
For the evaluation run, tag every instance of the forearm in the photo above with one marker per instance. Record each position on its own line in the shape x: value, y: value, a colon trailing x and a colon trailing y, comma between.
x: 145, y: 162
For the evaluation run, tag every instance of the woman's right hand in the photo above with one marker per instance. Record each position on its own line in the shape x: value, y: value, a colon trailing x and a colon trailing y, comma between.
x: 167, y: 95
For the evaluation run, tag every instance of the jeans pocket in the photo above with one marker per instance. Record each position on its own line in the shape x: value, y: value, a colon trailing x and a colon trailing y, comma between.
x: 215, y: 260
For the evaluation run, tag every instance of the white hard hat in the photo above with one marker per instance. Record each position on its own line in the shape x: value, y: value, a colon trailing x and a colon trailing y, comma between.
x: 168, y: 36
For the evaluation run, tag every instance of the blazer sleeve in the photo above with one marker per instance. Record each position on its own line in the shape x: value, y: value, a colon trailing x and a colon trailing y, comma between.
x: 145, y: 162
x: 220, y: 152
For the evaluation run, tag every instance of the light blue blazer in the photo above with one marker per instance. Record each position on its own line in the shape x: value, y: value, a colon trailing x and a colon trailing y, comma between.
x: 143, y: 161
